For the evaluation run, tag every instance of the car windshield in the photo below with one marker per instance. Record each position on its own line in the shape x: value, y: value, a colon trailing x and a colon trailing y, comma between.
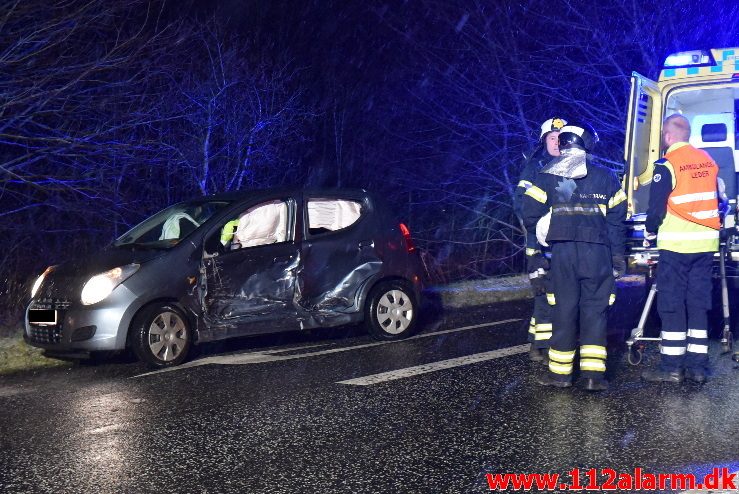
x: 166, y: 228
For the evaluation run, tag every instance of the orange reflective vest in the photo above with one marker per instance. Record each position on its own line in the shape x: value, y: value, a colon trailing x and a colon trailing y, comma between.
x: 694, y: 197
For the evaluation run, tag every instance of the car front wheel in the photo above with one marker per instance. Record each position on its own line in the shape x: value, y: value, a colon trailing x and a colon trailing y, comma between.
x: 161, y: 336
x: 391, y: 313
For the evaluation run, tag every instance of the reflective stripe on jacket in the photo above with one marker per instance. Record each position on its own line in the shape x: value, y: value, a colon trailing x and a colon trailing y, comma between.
x: 692, y: 222
x: 694, y: 197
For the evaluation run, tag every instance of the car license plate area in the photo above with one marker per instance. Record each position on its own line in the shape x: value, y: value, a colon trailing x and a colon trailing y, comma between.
x: 42, y: 317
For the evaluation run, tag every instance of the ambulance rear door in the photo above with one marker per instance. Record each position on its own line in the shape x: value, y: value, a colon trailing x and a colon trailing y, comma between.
x: 642, y: 145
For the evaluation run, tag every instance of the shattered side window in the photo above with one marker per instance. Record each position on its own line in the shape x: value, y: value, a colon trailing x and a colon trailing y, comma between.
x: 263, y: 224
x: 330, y: 215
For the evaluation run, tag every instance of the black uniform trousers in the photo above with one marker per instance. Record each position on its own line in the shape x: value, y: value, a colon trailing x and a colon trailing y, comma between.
x: 583, y: 283
x: 540, y: 325
x: 683, y: 301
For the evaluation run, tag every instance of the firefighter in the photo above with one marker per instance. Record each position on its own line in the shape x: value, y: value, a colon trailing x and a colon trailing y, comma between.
x: 585, y: 208
x: 540, y: 325
x: 684, y: 214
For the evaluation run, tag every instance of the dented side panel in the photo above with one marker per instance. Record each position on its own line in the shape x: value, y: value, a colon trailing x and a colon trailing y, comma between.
x: 251, y: 290
x: 336, y: 265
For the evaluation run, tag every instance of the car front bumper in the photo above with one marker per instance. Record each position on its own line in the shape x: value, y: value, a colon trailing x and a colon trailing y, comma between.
x: 98, y: 327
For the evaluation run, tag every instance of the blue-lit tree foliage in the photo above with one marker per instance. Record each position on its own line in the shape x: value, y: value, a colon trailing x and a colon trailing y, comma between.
x: 112, y: 110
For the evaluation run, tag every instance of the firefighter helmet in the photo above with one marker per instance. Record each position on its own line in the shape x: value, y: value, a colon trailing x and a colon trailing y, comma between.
x: 578, y: 135
x: 552, y: 125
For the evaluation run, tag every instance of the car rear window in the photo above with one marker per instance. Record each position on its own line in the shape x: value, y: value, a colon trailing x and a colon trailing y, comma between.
x: 329, y: 215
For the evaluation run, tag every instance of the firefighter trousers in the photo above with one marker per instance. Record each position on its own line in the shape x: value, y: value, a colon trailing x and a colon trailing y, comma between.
x: 683, y: 301
x: 540, y: 325
x: 582, y: 285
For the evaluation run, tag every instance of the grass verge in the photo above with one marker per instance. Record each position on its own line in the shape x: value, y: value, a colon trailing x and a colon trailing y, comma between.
x: 17, y: 356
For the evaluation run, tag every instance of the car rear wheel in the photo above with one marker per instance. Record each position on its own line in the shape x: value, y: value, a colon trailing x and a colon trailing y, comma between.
x: 161, y: 336
x: 391, y: 312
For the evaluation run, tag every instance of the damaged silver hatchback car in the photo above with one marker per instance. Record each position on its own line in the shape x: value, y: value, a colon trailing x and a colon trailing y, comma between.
x: 233, y: 265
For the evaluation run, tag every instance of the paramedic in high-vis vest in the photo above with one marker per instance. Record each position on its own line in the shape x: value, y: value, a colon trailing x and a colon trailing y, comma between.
x: 540, y: 324
x: 684, y: 203
x: 585, y: 208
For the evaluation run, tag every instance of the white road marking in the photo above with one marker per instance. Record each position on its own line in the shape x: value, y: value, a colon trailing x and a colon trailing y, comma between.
x: 436, y: 366
x: 292, y: 349
x: 262, y: 357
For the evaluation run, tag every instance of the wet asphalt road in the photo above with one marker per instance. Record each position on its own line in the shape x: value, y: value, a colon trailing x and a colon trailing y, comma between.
x: 276, y: 414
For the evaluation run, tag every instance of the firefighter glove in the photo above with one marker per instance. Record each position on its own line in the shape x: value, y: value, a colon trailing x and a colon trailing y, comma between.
x: 538, y: 285
x: 536, y: 263
x: 619, y: 266
x: 537, y: 267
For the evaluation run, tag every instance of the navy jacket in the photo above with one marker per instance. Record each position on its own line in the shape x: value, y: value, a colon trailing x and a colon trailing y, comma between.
x: 590, y: 209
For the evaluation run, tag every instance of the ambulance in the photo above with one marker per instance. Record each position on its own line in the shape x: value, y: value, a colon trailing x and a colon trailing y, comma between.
x: 703, y: 86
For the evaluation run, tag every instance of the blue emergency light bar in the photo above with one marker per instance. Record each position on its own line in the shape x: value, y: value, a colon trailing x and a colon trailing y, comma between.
x: 695, y: 58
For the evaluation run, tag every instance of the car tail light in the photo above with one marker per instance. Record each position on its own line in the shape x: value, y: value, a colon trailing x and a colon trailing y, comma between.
x: 407, y: 236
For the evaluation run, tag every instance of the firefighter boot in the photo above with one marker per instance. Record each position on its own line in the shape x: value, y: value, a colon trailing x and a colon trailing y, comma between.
x: 549, y: 380
x: 695, y: 375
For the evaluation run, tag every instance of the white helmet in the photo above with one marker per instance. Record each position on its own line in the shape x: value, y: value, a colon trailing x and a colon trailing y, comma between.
x: 552, y: 125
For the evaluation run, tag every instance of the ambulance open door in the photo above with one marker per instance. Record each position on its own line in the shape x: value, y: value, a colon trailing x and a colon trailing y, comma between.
x: 642, y: 141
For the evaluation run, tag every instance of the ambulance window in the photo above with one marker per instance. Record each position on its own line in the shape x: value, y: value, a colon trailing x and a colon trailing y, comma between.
x: 713, y: 132
x: 643, y: 118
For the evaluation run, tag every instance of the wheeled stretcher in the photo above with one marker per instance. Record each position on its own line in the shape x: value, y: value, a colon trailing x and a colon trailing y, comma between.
x: 636, y: 344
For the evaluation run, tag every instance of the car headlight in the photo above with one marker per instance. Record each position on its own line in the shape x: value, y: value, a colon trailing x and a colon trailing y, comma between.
x: 39, y: 281
x: 101, y: 285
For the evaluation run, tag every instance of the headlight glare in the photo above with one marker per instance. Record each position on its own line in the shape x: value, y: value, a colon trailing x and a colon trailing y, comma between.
x: 100, y: 286
x: 39, y: 281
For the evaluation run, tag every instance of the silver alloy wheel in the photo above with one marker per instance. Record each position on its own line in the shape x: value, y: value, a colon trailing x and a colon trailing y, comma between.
x: 394, y: 312
x: 167, y: 336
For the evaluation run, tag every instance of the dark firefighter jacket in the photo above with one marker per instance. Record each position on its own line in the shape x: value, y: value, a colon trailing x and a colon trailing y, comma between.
x: 589, y: 209
x: 531, y: 167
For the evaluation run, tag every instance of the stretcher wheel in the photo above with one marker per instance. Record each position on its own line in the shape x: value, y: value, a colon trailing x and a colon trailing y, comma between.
x: 635, y: 355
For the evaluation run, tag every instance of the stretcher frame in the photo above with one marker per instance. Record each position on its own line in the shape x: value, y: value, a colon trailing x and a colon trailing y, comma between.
x: 635, y: 344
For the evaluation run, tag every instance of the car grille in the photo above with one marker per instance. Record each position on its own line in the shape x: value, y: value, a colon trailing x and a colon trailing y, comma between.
x: 44, y: 333
x: 48, y: 303
x: 48, y: 333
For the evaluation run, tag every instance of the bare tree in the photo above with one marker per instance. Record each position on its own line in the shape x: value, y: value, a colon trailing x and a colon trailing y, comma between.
x: 76, y: 78
x: 482, y: 77
x: 238, y: 116
x: 113, y: 110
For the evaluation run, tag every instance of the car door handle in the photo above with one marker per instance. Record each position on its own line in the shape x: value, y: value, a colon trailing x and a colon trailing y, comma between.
x: 366, y: 243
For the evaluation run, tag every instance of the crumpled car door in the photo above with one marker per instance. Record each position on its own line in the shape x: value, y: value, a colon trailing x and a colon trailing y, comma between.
x: 251, y: 289
x: 338, y: 254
